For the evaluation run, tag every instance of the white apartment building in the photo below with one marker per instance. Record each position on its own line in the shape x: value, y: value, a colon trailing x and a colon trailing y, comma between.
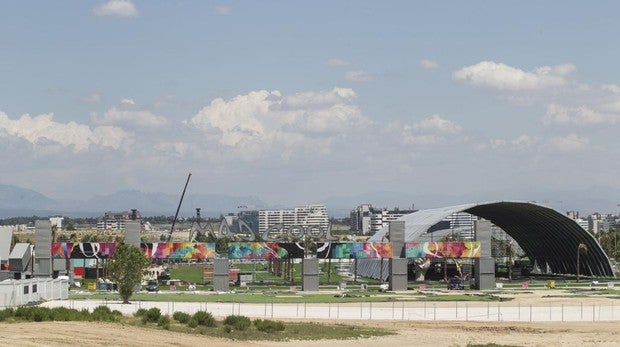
x: 306, y: 215
x: 368, y: 220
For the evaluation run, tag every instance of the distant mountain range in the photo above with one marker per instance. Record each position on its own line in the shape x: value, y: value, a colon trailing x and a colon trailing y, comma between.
x: 16, y: 201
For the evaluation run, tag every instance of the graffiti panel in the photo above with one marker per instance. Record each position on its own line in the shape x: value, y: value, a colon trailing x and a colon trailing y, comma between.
x: 442, y: 249
x: 355, y: 250
x: 264, y: 250
x: 82, y: 250
x: 179, y: 250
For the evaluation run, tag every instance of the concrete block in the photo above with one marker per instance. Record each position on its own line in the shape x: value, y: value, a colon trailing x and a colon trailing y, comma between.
x: 398, y: 274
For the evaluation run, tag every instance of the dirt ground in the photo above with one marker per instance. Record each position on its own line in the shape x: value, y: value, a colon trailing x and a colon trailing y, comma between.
x: 408, y: 334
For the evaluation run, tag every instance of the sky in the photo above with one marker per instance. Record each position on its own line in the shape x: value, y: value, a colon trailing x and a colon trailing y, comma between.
x: 295, y: 102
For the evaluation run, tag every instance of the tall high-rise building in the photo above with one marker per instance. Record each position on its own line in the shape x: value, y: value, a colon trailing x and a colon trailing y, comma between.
x: 366, y: 219
x: 302, y: 216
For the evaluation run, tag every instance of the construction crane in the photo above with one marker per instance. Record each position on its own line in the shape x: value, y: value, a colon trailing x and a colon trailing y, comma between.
x: 179, y: 207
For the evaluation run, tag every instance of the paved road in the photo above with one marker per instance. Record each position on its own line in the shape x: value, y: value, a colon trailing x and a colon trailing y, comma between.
x: 470, y: 311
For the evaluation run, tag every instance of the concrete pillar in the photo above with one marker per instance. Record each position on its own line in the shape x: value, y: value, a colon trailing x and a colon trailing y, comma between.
x: 43, y: 248
x: 484, y: 267
x: 397, y: 237
x: 132, y: 232
x: 310, y: 275
x: 398, y: 274
x: 220, y: 275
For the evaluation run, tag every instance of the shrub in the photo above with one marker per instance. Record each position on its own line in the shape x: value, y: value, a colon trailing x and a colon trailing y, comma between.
x: 103, y: 313
x: 33, y: 313
x: 228, y: 329
x: 6, y: 313
x: 192, y: 323
x: 164, y: 322
x: 140, y: 312
x: 204, y: 318
x: 68, y: 314
x: 181, y: 317
x: 268, y: 326
x: 152, y: 315
x: 238, y: 322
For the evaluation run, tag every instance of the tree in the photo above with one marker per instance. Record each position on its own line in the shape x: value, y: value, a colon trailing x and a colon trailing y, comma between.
x: 125, y: 268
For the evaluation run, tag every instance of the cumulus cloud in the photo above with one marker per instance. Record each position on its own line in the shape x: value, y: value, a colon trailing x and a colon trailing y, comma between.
x: 358, y: 76
x: 500, y: 76
x: 337, y: 62
x: 117, y: 8
x: 429, y: 64
x: 261, y: 119
x: 579, y: 115
x: 43, y: 130
x: 126, y: 114
x: 436, y: 124
x: 223, y: 10
x: 428, y: 131
x: 568, y: 143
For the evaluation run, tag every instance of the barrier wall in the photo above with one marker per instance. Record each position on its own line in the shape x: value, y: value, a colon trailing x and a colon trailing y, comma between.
x: 442, y: 249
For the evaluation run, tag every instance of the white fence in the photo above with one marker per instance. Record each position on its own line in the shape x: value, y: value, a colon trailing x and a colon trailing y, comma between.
x: 462, y: 311
x: 21, y: 292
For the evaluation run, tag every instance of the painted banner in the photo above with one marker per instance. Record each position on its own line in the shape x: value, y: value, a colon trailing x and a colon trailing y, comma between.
x: 179, y: 250
x: 354, y: 250
x: 265, y: 250
x: 442, y: 249
x: 82, y: 250
x: 157, y: 250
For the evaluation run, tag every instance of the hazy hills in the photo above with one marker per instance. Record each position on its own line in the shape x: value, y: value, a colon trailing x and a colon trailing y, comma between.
x: 16, y: 201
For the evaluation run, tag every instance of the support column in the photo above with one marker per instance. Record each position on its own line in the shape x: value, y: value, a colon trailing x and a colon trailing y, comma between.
x: 220, y: 275
x: 398, y: 263
x: 43, y: 248
x: 484, y: 267
x: 310, y: 275
x: 132, y: 232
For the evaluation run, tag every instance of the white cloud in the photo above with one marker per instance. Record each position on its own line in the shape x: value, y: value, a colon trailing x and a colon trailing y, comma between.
x: 580, y: 115
x: 140, y: 118
x: 337, y: 62
x: 117, y: 8
x: 128, y: 101
x: 500, y: 76
x: 569, y: 143
x: 93, y: 98
x: 358, y: 76
x: 43, y: 130
x: 429, y: 64
x: 223, y: 10
x: 426, y: 132
x: 262, y: 119
x: 436, y: 124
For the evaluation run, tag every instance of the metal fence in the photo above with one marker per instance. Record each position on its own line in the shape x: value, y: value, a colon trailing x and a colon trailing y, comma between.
x: 461, y: 311
x: 22, y: 292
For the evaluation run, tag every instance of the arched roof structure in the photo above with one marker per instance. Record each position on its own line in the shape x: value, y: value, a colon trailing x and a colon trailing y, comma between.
x: 545, y: 235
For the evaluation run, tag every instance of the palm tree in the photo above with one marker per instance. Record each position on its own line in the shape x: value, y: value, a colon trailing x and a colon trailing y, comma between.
x: 582, y: 248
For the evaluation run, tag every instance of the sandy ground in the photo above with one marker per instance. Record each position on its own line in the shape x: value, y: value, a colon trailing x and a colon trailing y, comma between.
x: 408, y: 334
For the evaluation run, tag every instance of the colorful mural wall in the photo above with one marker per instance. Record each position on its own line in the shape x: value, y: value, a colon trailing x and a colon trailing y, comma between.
x: 179, y: 250
x: 442, y: 249
x: 82, y: 250
x: 265, y: 250
x: 354, y: 250
x: 157, y: 250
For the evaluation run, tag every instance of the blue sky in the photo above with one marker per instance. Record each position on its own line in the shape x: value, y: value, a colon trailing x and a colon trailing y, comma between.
x: 298, y: 101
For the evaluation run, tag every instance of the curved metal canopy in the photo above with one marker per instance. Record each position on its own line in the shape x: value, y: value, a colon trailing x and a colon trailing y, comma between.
x: 545, y: 235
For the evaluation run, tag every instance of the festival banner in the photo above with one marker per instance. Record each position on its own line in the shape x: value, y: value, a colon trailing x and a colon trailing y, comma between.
x: 82, y: 250
x: 468, y: 249
x: 354, y: 250
x: 265, y: 250
x: 179, y: 250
